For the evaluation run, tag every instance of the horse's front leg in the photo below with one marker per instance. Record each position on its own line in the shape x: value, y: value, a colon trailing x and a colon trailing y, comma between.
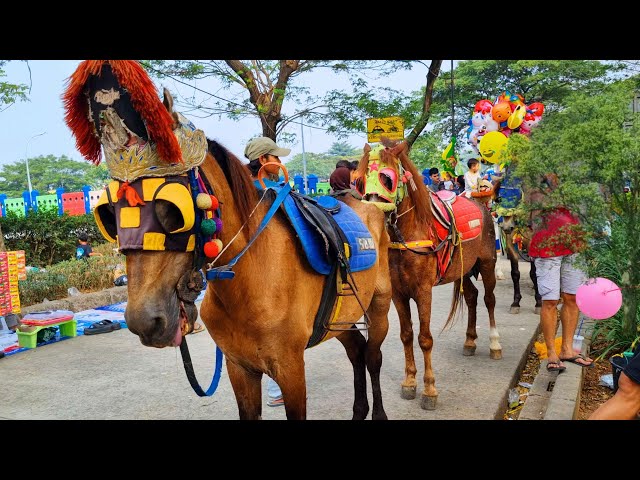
x: 534, y: 279
x: 409, y: 384
x: 515, y: 275
x: 425, y: 340
x: 290, y: 378
x: 247, y: 389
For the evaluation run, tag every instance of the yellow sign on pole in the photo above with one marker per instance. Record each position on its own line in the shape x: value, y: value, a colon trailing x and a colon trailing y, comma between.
x: 390, y: 127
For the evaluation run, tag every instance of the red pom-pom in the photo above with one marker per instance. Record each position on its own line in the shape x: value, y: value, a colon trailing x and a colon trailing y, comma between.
x: 211, y: 249
x: 214, y: 202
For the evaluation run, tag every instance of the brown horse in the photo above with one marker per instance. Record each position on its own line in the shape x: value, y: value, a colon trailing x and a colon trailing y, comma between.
x: 263, y: 318
x: 393, y: 183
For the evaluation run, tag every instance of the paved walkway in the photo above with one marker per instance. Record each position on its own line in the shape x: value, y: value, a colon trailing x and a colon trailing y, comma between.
x: 113, y: 376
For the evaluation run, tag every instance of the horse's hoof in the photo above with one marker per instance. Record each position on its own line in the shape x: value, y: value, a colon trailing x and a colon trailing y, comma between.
x: 537, y: 310
x: 514, y: 310
x: 469, y: 351
x: 495, y: 354
x: 408, y: 393
x: 429, y: 403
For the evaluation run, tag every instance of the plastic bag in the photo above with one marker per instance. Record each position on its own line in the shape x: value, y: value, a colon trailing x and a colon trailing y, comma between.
x: 120, y: 281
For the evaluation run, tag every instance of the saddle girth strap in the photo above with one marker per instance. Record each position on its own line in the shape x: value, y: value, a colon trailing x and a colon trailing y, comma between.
x: 327, y: 301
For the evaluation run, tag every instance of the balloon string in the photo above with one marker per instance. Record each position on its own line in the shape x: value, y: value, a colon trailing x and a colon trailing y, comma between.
x: 612, y: 290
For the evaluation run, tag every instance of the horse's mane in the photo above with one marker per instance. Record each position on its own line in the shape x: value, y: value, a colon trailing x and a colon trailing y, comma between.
x: 420, y: 196
x: 238, y: 178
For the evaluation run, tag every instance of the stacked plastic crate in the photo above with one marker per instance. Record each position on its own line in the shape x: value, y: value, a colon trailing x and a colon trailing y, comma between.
x: 12, y: 269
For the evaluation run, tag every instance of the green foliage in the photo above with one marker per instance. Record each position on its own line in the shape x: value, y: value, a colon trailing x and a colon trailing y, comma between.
x: 46, y: 237
x: 9, y: 92
x: 343, y: 149
x: 592, y: 145
x: 607, y: 258
x: 41, y: 285
x: 49, y: 173
x: 89, y: 275
x: 320, y: 164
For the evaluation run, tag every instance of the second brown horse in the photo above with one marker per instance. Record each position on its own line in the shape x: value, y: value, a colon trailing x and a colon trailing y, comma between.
x: 392, y: 182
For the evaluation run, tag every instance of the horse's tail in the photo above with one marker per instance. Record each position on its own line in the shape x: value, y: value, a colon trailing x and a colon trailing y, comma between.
x: 456, y: 304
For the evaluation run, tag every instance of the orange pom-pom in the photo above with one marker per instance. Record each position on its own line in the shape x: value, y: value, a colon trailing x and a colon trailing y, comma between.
x: 211, y: 249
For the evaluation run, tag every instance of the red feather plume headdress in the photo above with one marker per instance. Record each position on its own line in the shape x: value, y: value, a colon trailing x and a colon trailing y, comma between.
x: 144, y: 97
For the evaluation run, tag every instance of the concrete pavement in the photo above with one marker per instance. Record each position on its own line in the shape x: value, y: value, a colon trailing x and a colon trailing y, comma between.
x: 113, y: 376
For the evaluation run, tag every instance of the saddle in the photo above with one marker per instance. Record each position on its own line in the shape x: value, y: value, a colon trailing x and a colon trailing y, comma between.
x: 466, y: 213
x: 458, y: 219
x: 336, y: 243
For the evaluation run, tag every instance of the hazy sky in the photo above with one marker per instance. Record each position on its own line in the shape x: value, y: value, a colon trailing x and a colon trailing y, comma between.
x: 20, y: 122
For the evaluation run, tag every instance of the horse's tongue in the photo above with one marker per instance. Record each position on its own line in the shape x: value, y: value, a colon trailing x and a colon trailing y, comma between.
x: 177, y: 339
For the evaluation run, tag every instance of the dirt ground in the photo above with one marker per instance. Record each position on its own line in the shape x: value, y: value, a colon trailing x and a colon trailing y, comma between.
x: 591, y: 397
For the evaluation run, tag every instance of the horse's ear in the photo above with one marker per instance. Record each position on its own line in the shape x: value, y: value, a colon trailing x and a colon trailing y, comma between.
x: 367, y: 148
x: 168, y: 103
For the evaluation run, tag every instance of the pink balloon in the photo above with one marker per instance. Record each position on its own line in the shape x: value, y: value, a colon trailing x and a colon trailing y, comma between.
x: 599, y: 298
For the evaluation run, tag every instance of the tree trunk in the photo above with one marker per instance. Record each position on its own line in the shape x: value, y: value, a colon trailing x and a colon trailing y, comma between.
x: 434, y: 71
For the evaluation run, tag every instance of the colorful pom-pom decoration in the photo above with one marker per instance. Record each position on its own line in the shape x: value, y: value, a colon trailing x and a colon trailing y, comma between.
x: 203, y: 201
x: 218, y: 224
x: 218, y: 242
x: 208, y: 227
x: 212, y: 249
x: 214, y: 202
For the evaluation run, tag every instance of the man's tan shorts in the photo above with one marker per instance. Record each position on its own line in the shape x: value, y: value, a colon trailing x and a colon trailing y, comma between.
x: 556, y: 274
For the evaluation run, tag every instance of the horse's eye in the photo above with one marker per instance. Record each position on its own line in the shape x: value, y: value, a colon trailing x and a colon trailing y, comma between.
x: 386, y: 181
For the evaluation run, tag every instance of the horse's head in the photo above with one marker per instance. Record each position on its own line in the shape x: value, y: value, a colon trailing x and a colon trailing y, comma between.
x: 148, y: 209
x: 383, y: 176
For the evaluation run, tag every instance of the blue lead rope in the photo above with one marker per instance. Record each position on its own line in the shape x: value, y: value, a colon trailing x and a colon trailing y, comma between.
x: 224, y: 272
x: 191, y: 376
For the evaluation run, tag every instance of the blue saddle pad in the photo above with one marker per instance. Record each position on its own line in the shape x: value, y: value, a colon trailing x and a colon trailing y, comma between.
x: 362, y: 246
x: 511, y: 191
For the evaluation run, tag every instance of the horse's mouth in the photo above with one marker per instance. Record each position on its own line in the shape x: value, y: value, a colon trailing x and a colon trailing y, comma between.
x: 382, y: 202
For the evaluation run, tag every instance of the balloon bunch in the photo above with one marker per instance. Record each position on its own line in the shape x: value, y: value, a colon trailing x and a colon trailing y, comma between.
x: 492, y: 123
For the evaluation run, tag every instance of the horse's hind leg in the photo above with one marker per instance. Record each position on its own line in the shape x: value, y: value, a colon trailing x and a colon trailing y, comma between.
x: 534, y: 279
x: 248, y: 391
x: 409, y: 384
x: 470, y: 293
x: 355, y: 345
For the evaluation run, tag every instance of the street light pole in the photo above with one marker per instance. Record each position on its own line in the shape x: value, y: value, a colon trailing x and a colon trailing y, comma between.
x: 304, y: 159
x: 26, y: 159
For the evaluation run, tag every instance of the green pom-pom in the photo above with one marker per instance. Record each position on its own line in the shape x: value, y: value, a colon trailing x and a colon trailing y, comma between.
x: 203, y: 201
x: 208, y: 227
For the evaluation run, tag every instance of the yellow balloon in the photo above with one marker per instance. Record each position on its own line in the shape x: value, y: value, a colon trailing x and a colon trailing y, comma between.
x: 516, y: 117
x: 492, y: 146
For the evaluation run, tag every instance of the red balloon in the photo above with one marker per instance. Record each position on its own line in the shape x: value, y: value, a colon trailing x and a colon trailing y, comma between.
x: 536, y: 109
x: 483, y: 106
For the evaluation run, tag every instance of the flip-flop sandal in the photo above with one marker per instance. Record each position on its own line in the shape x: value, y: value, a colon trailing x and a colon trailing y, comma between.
x: 555, y: 367
x: 197, y: 328
x: 575, y: 361
x: 103, y: 326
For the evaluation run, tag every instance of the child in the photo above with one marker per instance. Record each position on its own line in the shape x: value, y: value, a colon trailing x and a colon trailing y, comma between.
x: 472, y: 177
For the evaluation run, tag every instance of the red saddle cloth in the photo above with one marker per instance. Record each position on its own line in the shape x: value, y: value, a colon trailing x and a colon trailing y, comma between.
x: 467, y: 214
